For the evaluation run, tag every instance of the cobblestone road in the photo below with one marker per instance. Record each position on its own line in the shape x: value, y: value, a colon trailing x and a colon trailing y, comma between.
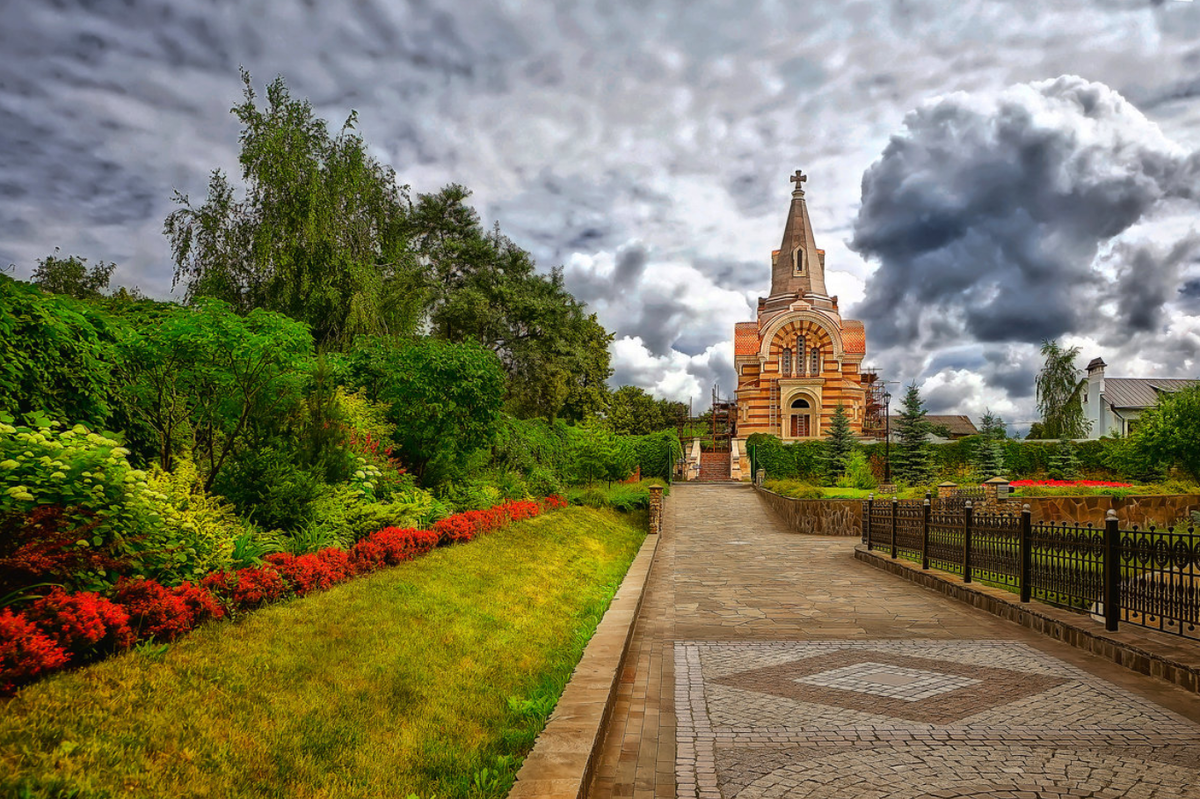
x: 770, y: 664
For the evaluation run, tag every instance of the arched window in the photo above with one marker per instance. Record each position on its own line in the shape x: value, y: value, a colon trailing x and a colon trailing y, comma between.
x: 800, y: 403
x: 785, y: 363
x: 816, y: 361
x: 800, y: 361
x: 800, y: 419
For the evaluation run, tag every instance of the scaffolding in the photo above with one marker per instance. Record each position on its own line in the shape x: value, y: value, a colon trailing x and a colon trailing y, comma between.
x: 716, y: 427
x: 875, y: 410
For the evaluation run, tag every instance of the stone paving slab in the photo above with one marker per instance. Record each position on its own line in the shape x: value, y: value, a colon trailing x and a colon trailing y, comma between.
x: 770, y: 664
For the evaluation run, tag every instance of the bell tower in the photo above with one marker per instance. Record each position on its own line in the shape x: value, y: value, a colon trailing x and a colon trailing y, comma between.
x: 798, y: 267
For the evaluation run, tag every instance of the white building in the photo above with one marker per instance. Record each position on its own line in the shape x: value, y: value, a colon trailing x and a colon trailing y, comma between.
x: 1113, y: 404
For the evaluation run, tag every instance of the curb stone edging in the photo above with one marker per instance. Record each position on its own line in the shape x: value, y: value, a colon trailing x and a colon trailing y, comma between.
x: 1130, y: 647
x: 565, y: 753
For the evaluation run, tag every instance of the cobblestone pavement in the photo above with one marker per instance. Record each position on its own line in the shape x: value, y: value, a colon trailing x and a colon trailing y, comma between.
x: 771, y: 664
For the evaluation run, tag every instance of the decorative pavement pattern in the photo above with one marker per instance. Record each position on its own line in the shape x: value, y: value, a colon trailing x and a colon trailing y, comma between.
x: 984, y: 718
x: 770, y: 664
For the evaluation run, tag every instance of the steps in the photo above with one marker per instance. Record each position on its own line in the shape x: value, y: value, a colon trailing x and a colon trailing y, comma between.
x: 714, y: 467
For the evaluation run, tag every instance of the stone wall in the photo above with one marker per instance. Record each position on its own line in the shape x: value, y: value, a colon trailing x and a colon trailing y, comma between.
x: 1161, y: 510
x: 816, y: 516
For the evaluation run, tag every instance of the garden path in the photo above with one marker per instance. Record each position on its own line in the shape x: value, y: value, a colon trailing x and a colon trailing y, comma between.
x: 770, y: 664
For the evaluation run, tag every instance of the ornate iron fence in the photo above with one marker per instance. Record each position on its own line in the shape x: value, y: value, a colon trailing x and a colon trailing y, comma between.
x: 1160, y: 579
x: 1146, y: 577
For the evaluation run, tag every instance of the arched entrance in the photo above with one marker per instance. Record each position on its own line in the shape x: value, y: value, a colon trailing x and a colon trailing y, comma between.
x: 800, y: 418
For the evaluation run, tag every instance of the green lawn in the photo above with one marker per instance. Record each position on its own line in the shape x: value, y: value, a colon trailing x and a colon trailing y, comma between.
x: 411, y: 681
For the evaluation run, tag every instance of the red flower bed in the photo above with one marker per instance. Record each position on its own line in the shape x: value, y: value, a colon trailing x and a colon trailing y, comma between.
x: 61, y: 626
x: 25, y: 652
x: 81, y: 623
x: 1069, y: 484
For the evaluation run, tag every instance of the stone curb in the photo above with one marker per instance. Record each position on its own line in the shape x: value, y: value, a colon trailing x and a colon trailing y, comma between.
x: 565, y: 754
x: 1142, y: 651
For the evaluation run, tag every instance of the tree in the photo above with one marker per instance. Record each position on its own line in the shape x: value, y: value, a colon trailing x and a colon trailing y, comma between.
x: 1169, y: 432
x: 841, y: 444
x: 71, y: 276
x: 1064, y: 465
x: 634, y: 412
x: 210, y: 383
x: 1060, y: 393
x: 320, y: 235
x: 912, y: 460
x: 444, y: 398
x: 989, y: 452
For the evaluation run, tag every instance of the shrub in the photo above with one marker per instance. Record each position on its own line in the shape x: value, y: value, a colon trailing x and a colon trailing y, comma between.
x: 44, y: 546
x: 154, y: 611
x: 793, y: 489
x: 303, y: 574
x: 82, y: 623
x: 857, y: 472
x: 337, y: 563
x: 253, y: 587
x: 391, y: 546
x: 266, y: 487
x: 25, y: 652
x: 199, y: 602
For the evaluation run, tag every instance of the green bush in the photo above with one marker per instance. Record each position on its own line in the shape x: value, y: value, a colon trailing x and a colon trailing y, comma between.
x: 794, y: 489
x: 857, y: 473
x: 266, y: 488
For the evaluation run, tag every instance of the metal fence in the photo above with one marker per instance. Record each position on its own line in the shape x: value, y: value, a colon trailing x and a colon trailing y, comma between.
x: 1147, y: 577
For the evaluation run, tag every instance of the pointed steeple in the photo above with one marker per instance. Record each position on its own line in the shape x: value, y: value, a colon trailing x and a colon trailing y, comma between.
x: 798, y: 267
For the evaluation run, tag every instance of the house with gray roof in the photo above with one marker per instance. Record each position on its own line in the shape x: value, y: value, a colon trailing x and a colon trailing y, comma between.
x: 1113, y: 404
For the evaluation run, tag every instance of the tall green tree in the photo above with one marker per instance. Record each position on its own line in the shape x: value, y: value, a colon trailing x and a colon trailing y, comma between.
x: 989, y: 451
x: 320, y: 234
x: 1169, y: 432
x: 71, y: 276
x: 632, y: 411
x: 1060, y: 389
x: 912, y: 458
x: 840, y: 443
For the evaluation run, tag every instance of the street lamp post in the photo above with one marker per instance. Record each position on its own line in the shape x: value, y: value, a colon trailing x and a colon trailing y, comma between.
x: 887, y: 437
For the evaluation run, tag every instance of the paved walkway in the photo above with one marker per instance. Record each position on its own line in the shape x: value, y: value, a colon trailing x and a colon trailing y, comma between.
x: 771, y: 664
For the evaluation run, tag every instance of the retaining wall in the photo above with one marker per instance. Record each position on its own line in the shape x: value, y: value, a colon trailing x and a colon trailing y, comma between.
x: 816, y: 516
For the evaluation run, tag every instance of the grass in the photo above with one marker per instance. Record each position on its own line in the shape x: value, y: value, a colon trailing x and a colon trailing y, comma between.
x: 431, y: 678
x: 797, y: 489
x: 619, y: 496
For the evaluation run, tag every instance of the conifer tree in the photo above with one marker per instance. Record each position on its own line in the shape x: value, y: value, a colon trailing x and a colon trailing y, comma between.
x: 1064, y: 465
x: 912, y: 459
x: 840, y: 445
x: 989, y: 454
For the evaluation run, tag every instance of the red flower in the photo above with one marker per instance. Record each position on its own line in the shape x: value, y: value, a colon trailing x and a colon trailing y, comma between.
x: 154, y: 611
x: 25, y: 652
x: 256, y: 586
x: 81, y: 623
x: 337, y: 561
x: 1069, y: 483
x: 201, y: 604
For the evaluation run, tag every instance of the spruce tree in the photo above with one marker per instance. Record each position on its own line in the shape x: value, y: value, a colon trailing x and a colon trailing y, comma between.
x: 1063, y: 463
x: 989, y: 453
x: 841, y: 444
x: 912, y: 459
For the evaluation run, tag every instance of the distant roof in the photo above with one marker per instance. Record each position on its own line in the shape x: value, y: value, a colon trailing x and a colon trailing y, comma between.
x: 957, y: 425
x: 1139, y: 392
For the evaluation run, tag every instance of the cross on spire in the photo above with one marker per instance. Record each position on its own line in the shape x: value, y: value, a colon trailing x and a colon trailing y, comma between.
x: 799, y: 178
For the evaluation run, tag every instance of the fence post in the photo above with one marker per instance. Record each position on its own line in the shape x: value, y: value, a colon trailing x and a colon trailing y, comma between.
x: 656, y: 509
x: 870, y: 503
x: 1025, y: 548
x: 925, y: 533
x: 1112, y: 571
x: 967, y: 542
x: 895, y: 506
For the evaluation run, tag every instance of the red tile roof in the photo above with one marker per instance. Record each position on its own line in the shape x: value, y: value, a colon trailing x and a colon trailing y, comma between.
x: 745, y: 338
x: 854, y: 337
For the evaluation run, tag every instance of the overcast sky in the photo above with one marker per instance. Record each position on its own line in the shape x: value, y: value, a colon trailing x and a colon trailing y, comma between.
x: 982, y: 175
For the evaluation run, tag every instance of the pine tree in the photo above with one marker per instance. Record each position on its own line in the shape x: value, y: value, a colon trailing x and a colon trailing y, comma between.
x: 1063, y: 463
x: 989, y: 454
x: 912, y: 459
x: 841, y: 444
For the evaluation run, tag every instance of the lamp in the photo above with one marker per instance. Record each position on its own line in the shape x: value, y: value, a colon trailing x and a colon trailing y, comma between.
x: 887, y: 437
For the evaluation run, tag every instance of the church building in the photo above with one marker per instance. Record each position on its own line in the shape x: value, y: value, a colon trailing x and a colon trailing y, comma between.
x: 800, y: 358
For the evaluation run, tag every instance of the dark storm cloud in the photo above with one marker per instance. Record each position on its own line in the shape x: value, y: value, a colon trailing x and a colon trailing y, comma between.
x: 1189, y: 293
x: 986, y: 216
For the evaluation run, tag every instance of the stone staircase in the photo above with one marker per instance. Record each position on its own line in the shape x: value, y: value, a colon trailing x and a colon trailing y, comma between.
x: 714, y: 467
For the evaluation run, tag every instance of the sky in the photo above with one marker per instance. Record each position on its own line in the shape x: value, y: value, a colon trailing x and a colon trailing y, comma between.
x: 982, y: 175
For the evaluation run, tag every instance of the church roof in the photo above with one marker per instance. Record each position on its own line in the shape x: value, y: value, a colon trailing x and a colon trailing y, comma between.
x: 745, y: 338
x: 854, y: 337
x: 798, y: 235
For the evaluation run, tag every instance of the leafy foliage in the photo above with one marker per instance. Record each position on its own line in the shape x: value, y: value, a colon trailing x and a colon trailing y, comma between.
x: 56, y: 355
x: 1059, y: 393
x: 443, y: 398
x: 1169, y: 433
x: 319, y: 236
x: 71, y: 276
